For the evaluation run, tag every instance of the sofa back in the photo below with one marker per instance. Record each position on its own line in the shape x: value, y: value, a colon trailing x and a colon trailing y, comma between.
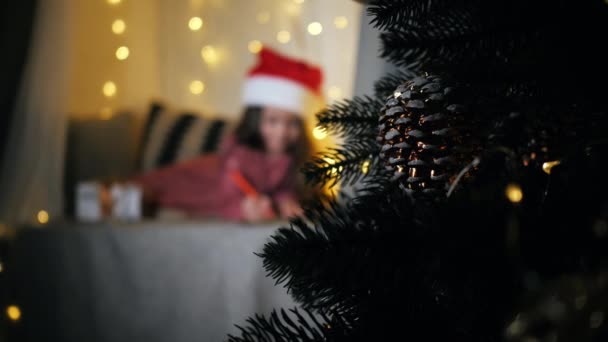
x: 128, y: 143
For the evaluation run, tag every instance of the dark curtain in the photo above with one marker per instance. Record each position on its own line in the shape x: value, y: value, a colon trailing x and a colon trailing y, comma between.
x: 16, y: 21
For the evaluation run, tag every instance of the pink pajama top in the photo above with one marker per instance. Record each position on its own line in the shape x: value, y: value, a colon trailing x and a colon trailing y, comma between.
x: 203, y: 186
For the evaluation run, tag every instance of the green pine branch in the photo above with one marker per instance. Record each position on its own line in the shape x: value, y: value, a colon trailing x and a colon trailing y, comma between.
x: 329, y: 260
x: 447, y: 38
x: 351, y: 117
x: 283, y: 327
x: 386, y: 85
x: 477, y: 38
x: 349, y: 163
x: 388, y: 14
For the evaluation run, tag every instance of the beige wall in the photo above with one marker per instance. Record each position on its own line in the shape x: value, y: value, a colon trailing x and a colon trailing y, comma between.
x: 93, y: 47
x: 165, y: 56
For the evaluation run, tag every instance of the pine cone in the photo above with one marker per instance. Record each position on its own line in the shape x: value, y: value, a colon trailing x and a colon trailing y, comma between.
x: 424, y: 136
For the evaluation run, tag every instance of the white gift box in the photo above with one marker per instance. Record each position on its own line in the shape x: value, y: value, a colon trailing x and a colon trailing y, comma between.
x: 126, y: 202
x: 88, y: 202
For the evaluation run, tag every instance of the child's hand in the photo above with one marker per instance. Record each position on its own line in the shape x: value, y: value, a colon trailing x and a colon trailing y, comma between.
x: 257, y: 208
x: 290, y: 208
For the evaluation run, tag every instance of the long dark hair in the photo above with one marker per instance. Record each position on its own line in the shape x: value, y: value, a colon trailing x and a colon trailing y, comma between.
x: 248, y: 134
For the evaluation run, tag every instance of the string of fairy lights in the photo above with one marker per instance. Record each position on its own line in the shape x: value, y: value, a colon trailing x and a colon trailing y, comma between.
x: 211, y: 56
x: 122, y: 52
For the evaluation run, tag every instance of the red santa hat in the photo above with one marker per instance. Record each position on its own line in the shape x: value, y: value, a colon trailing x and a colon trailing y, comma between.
x: 282, y: 82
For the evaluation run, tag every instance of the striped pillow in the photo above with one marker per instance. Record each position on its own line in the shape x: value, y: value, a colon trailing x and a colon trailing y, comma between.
x: 169, y: 137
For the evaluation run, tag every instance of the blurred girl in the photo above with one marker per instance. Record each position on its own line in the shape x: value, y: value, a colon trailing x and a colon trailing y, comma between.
x: 254, y: 177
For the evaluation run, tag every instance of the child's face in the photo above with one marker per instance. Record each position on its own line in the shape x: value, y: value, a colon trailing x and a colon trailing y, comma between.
x: 279, y: 129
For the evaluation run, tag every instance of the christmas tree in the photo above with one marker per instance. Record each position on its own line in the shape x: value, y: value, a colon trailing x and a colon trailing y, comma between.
x: 482, y: 210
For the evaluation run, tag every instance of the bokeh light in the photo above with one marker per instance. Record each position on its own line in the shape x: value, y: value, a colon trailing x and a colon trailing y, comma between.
x: 109, y: 89
x: 315, y: 28
x: 210, y: 55
x: 13, y: 312
x: 283, y: 37
x: 341, y: 22
x: 319, y: 133
x: 331, y: 161
x: 255, y: 46
x: 549, y: 165
x: 195, y: 23
x: 43, y: 217
x: 514, y: 193
x: 197, y: 87
x: 365, y: 167
x: 119, y: 26
x: 122, y: 53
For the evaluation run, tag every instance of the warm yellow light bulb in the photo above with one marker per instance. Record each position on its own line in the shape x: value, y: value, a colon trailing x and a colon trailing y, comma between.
x: 283, y: 37
x: 113, y: 2
x: 195, y: 23
x: 315, y: 28
x: 263, y: 17
x: 43, y: 217
x: 122, y: 53
x: 255, y: 46
x: 331, y: 161
x: 549, y: 165
x: 109, y: 89
x: 514, y: 193
x: 13, y: 312
x: 119, y: 26
x: 334, y: 93
x: 340, y: 22
x: 210, y: 55
x: 319, y: 133
x: 197, y: 87
x: 365, y: 167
